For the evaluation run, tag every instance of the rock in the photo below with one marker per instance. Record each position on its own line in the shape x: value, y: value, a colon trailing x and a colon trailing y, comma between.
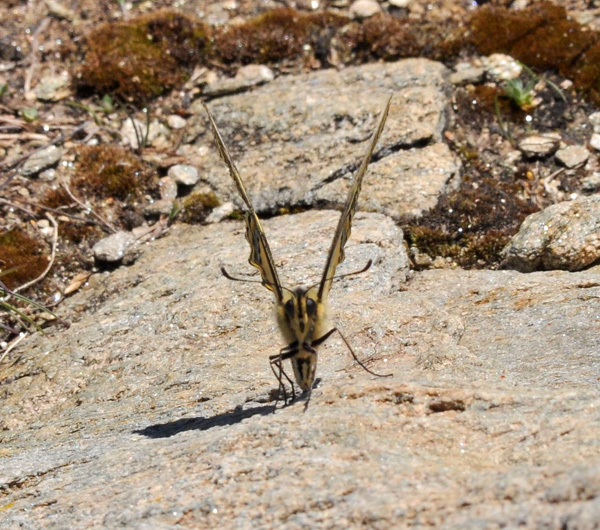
x: 591, y: 183
x: 60, y: 10
x: 594, y: 120
x: 540, y: 145
x: 401, y: 4
x: 563, y: 236
x: 220, y: 212
x: 160, y: 207
x: 176, y: 122
x: 595, y: 141
x: 406, y: 183
x: 502, y: 67
x: 512, y: 158
x: 572, y: 156
x: 40, y: 160
x: 160, y: 392
x: 48, y: 175
x: 364, y: 8
x: 183, y: 174
x: 467, y: 74
x: 167, y: 188
x: 45, y: 229
x: 247, y: 77
x: 116, y: 248
x: 298, y: 140
x: 53, y: 87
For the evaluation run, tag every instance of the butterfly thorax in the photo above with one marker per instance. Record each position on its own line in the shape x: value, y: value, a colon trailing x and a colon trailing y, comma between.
x: 302, y: 319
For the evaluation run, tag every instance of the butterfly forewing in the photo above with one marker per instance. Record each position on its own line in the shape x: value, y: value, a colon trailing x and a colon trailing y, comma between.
x: 260, y: 253
x: 344, y: 227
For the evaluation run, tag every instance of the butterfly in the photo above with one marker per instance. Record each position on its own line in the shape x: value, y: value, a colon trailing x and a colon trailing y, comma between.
x: 302, y: 313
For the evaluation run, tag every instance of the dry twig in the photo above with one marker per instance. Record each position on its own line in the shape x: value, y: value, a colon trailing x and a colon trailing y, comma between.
x: 52, y: 257
x: 12, y: 345
x: 34, y: 54
x: 87, y: 208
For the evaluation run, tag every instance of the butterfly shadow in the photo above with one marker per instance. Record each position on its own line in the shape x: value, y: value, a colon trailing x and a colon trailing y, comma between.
x: 166, y: 430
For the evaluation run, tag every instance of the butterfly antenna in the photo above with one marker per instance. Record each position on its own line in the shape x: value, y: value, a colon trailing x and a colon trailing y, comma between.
x: 262, y: 282
x: 233, y: 278
x: 340, y: 276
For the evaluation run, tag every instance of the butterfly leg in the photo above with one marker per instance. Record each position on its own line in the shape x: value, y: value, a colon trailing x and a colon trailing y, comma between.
x: 277, y: 361
x: 331, y: 332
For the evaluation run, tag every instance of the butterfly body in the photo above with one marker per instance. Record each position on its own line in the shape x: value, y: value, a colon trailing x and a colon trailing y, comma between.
x: 302, y: 320
x: 302, y: 312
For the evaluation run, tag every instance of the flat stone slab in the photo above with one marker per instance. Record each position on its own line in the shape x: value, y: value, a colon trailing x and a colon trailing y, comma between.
x: 152, y: 410
x: 299, y: 134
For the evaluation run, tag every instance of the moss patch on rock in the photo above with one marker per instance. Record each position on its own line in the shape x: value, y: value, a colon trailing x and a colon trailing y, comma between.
x: 22, y: 256
x: 143, y: 57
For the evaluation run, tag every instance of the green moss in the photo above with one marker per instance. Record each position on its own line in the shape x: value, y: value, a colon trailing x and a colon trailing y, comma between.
x: 144, y: 57
x: 56, y: 197
x: 110, y: 171
x: 472, y: 224
x: 389, y: 38
x: 543, y: 38
x: 20, y: 252
x: 497, y: 29
x: 275, y: 36
x: 554, y: 45
x: 586, y: 73
x: 196, y: 207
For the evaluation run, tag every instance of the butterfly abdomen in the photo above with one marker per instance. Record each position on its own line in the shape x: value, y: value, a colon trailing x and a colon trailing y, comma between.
x: 304, y: 364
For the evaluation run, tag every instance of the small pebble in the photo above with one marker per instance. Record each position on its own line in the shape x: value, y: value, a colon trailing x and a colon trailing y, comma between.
x: 538, y: 145
x: 399, y: 3
x: 48, y: 175
x: 176, y: 122
x: 52, y: 87
x: 160, y: 207
x: 471, y: 74
x: 364, y: 9
x: 167, y: 188
x: 591, y: 183
x: 41, y: 160
x: 502, y: 67
x: 220, y: 212
x: 594, y: 120
x: 595, y: 141
x: 183, y: 174
x: 572, y: 156
x: 115, y: 248
x: 247, y: 77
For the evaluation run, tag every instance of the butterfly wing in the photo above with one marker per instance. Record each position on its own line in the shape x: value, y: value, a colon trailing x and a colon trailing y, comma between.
x: 343, y: 230
x: 260, y: 254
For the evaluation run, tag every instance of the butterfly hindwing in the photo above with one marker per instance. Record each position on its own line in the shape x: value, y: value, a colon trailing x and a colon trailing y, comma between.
x: 260, y: 253
x: 344, y: 227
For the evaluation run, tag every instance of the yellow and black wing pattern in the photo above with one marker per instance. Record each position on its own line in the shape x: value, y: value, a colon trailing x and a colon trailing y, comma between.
x: 342, y: 232
x: 260, y: 254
